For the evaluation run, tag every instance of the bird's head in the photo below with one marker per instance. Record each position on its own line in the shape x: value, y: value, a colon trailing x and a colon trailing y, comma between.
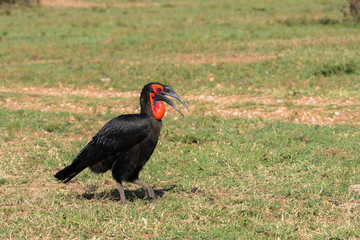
x: 156, y: 94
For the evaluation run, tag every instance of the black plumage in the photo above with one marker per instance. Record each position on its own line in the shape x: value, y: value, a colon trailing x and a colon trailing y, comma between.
x: 125, y: 143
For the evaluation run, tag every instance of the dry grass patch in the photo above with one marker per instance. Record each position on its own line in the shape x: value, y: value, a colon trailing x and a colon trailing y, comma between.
x: 70, y: 91
x: 81, y: 4
x: 309, y: 110
x: 36, y: 103
x: 30, y: 62
x: 227, y: 58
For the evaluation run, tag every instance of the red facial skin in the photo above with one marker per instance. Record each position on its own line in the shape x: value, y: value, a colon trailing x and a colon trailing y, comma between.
x: 157, y: 88
x: 158, y: 108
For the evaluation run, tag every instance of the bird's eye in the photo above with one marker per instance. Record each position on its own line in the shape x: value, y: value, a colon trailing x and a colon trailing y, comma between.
x: 156, y: 87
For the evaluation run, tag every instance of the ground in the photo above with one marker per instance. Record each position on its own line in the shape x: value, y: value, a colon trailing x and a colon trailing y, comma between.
x: 269, y: 149
x: 303, y: 109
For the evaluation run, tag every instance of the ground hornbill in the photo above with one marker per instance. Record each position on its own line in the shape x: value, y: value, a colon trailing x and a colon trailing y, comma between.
x: 125, y: 143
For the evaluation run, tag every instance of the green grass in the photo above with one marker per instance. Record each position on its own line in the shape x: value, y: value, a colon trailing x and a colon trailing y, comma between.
x: 216, y: 177
x: 268, y: 182
x: 131, y: 46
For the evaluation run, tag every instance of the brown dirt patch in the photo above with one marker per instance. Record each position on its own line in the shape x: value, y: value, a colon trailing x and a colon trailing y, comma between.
x: 80, y: 4
x: 27, y: 103
x: 68, y: 91
x: 309, y: 110
x: 231, y: 58
x: 29, y: 62
x: 40, y: 100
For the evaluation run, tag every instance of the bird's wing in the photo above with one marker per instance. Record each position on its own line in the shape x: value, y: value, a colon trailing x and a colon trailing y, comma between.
x: 122, y: 133
x: 119, y: 134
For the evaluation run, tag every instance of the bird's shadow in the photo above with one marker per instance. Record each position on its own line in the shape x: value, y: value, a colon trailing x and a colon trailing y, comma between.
x: 113, y: 194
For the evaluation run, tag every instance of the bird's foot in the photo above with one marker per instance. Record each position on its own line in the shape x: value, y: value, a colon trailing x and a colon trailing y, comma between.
x: 149, y: 194
x: 149, y: 191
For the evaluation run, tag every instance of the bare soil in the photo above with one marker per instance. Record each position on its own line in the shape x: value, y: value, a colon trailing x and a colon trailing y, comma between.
x: 309, y: 110
x: 80, y: 4
x: 226, y: 58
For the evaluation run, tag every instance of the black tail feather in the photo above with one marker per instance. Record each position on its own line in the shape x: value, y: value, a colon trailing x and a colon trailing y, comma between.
x: 75, y: 167
x: 67, y: 173
x: 88, y: 156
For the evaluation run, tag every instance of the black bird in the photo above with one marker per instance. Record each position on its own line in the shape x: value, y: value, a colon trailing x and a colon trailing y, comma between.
x: 125, y: 143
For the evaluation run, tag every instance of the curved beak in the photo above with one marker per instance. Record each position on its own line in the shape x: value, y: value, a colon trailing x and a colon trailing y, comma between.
x: 170, y: 92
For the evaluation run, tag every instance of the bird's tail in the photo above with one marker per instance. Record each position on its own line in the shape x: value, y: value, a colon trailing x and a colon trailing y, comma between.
x: 79, y: 163
x: 67, y: 173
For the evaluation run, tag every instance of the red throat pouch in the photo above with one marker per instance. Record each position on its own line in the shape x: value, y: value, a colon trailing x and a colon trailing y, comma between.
x: 157, y: 107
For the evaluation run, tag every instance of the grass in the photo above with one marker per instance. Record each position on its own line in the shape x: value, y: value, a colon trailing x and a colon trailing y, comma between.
x: 267, y: 182
x: 280, y: 169
x: 129, y: 44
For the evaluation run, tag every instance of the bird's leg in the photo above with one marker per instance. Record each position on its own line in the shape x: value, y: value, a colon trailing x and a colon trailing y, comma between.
x: 149, y: 192
x: 121, y: 192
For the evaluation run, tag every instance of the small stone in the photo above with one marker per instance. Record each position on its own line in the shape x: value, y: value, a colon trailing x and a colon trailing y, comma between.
x: 211, y: 77
x: 105, y: 79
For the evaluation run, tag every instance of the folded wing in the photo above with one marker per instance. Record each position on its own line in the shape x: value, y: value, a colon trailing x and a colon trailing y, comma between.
x: 117, y: 135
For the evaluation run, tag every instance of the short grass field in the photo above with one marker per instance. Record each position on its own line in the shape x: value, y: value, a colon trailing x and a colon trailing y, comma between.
x: 269, y: 150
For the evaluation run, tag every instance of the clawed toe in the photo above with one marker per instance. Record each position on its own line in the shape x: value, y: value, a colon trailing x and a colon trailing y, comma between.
x: 149, y: 191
